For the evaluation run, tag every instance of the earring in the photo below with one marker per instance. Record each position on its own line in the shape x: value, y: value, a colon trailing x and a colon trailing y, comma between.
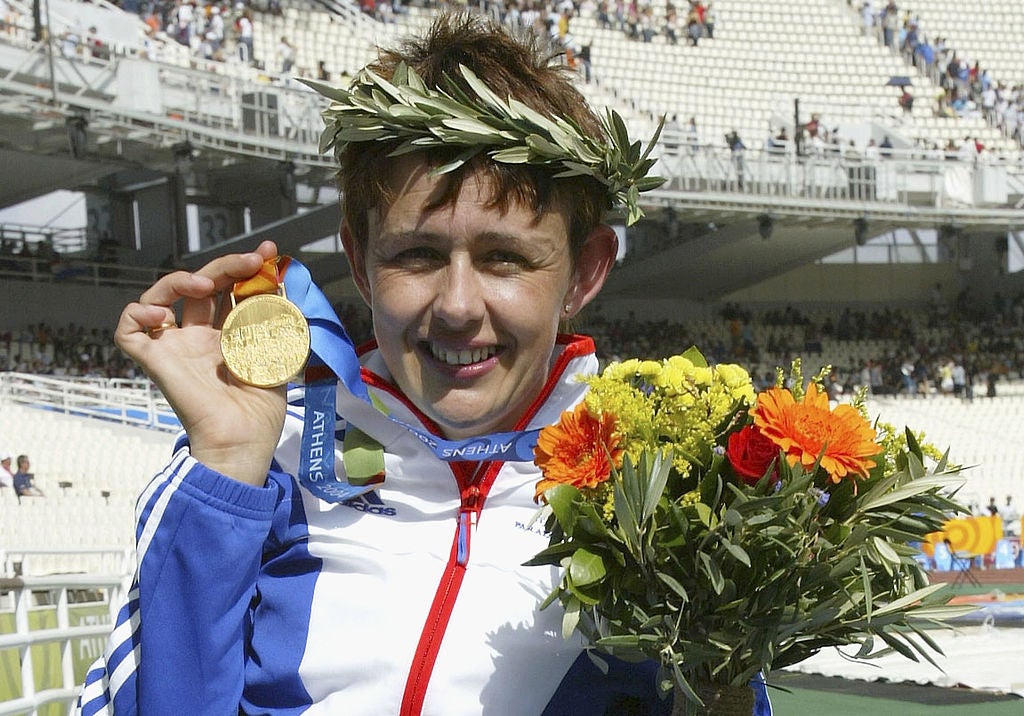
x: 567, y: 309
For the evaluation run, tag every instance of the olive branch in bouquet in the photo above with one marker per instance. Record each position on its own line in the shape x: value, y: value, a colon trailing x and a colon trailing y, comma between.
x: 510, y: 132
x: 720, y: 578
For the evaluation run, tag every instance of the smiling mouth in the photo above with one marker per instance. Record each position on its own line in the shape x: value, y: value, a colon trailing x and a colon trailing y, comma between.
x: 462, y: 357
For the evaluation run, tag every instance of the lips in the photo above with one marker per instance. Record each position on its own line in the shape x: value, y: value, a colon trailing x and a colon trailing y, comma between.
x: 467, y: 356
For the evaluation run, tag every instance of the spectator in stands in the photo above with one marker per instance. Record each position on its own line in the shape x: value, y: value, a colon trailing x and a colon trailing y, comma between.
x: 867, y: 14
x: 23, y: 480
x: 890, y: 24
x: 737, y: 149
x: 285, y: 55
x: 907, y: 369
x: 384, y: 12
x: 95, y: 46
x: 182, y: 31
x: 671, y: 24
x: 694, y: 28
x: 871, y: 153
x: 710, y: 18
x: 778, y: 143
x: 925, y: 56
x: 993, y: 508
x: 215, y: 30
x: 959, y: 374
x: 620, y: 14
x: 583, y: 53
x: 6, y: 476
x: 670, y: 135
x: 564, y: 18
x: 692, y: 135
x: 69, y: 42
x: 8, y: 17
x: 1011, y: 518
x: 885, y: 148
x: 991, y: 382
x: 647, y: 29
x: 633, y: 20
x: 906, y: 101
x: 253, y: 573
x: 244, y: 30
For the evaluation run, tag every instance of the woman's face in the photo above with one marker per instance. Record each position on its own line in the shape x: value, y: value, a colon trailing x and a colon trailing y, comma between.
x: 466, y: 299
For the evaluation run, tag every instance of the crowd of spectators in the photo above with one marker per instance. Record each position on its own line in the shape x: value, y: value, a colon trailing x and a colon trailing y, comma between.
x: 889, y: 351
x: 638, y: 21
x: 212, y: 30
x: 76, y: 351
x: 965, y: 88
x: 939, y: 350
x: 72, y: 350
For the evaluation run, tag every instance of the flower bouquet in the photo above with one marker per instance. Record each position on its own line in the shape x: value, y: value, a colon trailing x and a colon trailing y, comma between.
x: 725, y: 533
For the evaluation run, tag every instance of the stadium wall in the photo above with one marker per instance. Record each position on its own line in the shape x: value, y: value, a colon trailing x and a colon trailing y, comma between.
x: 58, y: 304
x: 904, y: 285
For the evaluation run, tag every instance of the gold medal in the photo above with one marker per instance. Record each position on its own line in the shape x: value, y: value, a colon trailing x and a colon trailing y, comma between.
x: 265, y: 337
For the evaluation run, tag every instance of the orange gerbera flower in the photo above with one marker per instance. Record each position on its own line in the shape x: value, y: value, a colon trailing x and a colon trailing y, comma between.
x: 579, y: 450
x: 803, y: 430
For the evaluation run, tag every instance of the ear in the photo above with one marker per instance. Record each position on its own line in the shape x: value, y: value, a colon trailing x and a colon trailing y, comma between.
x: 356, y: 256
x: 592, y: 268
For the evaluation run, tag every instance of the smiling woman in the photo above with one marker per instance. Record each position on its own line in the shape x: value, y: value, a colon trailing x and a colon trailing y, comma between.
x: 475, y: 180
x: 467, y: 298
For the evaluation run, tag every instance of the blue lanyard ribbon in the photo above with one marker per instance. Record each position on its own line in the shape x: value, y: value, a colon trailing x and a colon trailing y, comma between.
x: 343, y: 390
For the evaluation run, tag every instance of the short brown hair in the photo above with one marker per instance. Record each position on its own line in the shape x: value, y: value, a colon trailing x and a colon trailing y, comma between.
x: 512, y: 65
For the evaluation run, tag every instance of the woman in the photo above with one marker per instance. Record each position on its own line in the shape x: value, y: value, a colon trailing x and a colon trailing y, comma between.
x: 257, y: 591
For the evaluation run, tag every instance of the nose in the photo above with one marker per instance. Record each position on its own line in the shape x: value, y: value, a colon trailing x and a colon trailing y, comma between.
x: 460, y: 296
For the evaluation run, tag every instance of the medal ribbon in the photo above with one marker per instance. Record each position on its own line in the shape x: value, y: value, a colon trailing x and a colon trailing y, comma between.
x: 334, y: 368
x: 267, y: 280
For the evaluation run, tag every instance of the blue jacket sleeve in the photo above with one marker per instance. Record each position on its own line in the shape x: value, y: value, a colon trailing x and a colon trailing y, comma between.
x: 178, y: 645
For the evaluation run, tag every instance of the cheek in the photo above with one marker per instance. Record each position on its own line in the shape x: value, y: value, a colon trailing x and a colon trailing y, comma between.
x: 396, y: 297
x: 534, y: 309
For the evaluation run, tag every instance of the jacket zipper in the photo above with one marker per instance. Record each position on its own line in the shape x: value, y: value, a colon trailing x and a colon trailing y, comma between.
x: 473, y: 493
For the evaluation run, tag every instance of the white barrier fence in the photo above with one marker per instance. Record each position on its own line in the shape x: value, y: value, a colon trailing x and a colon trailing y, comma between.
x: 130, y: 402
x: 58, y: 593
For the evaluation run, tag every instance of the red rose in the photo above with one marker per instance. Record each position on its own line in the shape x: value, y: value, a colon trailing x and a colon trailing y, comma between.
x: 751, y: 454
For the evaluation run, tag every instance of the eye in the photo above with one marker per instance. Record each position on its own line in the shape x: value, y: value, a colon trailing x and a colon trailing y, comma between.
x: 508, y: 259
x: 417, y: 257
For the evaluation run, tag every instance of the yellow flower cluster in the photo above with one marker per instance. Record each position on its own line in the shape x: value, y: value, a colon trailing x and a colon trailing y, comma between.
x: 670, y: 404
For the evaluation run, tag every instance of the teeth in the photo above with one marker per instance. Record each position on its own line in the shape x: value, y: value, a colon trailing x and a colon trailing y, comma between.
x: 465, y: 357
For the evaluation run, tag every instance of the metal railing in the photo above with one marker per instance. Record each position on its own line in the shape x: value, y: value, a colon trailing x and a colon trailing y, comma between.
x: 217, y: 106
x: 24, y: 594
x: 14, y: 237
x: 69, y: 269
x: 91, y: 560
x: 901, y: 177
x: 226, y: 109
x: 136, y: 403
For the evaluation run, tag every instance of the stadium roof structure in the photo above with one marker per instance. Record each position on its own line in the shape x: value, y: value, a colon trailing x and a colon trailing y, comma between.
x: 75, y: 123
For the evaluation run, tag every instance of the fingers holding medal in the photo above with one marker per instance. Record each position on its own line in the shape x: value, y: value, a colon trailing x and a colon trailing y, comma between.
x: 265, y: 338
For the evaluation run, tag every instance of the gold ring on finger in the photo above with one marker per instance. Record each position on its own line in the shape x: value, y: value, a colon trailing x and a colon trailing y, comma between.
x: 162, y: 327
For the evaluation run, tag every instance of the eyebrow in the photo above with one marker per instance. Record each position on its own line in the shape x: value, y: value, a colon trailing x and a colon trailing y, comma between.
x: 502, y: 237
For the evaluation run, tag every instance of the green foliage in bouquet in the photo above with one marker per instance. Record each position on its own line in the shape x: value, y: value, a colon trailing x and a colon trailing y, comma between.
x: 724, y: 534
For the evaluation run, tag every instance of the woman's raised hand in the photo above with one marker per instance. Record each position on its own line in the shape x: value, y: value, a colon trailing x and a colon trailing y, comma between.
x: 232, y: 427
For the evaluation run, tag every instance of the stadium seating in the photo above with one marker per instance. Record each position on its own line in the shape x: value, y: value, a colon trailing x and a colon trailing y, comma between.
x: 744, y: 79
x: 104, y: 467
x: 989, y: 33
